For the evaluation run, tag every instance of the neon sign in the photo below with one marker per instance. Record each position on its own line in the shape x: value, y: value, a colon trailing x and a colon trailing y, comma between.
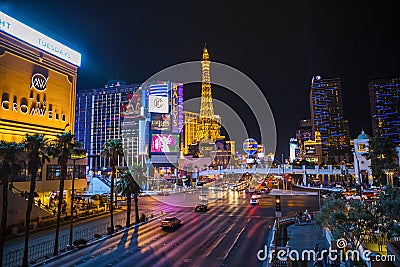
x: 177, y: 107
x: 35, y: 106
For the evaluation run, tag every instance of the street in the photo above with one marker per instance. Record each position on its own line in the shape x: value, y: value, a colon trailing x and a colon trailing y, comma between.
x: 229, y: 234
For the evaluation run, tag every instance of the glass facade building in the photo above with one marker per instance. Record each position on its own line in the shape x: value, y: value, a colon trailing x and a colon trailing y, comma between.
x: 327, y: 118
x: 98, y: 119
x: 385, y: 107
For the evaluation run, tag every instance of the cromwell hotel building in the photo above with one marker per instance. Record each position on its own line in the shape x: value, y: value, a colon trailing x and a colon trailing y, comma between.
x: 37, y: 87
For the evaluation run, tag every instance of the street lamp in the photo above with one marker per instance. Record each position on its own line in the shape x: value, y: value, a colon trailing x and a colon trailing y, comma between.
x: 389, y: 176
x: 77, y: 154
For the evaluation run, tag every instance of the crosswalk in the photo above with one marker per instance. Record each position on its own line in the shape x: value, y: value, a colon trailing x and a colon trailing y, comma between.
x: 204, y: 239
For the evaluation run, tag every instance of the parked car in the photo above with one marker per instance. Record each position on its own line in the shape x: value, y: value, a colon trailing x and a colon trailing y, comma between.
x: 170, y: 223
x: 200, y: 207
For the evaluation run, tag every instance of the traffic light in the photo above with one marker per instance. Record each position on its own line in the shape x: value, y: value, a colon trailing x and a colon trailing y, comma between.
x: 278, y: 203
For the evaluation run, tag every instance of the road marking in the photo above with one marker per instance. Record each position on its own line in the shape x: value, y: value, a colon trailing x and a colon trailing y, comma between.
x: 211, y: 249
x: 234, y: 242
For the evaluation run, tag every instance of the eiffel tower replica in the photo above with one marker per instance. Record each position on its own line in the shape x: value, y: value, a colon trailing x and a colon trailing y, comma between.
x: 207, y: 129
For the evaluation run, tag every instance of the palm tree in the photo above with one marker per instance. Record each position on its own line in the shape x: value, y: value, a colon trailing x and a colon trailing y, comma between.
x: 112, y: 149
x: 77, y: 153
x: 9, y: 154
x: 138, y: 176
x: 63, y: 146
x: 126, y: 186
x: 37, y: 149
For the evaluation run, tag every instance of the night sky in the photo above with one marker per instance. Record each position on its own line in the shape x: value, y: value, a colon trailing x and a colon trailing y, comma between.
x: 280, y: 45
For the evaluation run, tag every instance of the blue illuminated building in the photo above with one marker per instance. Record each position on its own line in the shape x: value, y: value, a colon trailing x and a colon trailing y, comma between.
x: 98, y: 119
x: 385, y: 107
x: 327, y: 117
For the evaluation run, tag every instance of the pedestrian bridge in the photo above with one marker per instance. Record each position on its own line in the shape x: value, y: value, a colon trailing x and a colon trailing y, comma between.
x: 279, y: 171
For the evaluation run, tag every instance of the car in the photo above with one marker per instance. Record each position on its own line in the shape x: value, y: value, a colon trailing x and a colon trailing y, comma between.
x: 337, y: 189
x: 263, y: 184
x: 254, y: 201
x: 200, y: 207
x: 349, y: 192
x: 256, y: 195
x: 252, y: 189
x: 170, y: 223
x: 264, y: 190
x: 353, y: 197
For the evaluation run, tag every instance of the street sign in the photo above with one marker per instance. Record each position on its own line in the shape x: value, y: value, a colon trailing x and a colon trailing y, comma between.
x: 278, y: 214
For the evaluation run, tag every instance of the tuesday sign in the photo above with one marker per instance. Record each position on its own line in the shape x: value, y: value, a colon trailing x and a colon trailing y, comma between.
x: 31, y: 36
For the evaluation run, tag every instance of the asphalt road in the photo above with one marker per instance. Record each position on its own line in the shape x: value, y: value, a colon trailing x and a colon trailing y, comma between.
x: 229, y: 234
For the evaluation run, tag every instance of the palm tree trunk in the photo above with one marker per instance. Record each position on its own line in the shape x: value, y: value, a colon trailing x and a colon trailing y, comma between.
x: 135, y: 198
x: 4, y: 214
x: 60, y: 203
x: 112, y: 200
x: 128, y: 210
x: 28, y: 216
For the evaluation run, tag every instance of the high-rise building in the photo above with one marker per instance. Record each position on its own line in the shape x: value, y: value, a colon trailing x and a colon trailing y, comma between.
x: 99, y: 116
x: 303, y: 133
x: 327, y: 118
x: 385, y: 107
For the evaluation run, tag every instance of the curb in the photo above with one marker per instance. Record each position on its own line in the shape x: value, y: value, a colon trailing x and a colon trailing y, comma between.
x: 53, y: 258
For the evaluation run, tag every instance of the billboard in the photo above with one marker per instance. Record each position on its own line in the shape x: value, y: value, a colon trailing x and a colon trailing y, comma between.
x: 310, y: 149
x: 158, y: 98
x: 164, y: 143
x: 31, y: 36
x: 131, y: 104
x: 160, y: 122
x: 250, y: 146
x: 158, y: 104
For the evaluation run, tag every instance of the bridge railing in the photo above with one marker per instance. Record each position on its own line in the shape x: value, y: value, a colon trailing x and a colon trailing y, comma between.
x: 289, y: 169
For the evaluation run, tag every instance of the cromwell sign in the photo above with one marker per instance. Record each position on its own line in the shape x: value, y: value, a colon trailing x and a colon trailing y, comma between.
x: 32, y: 105
x: 33, y: 97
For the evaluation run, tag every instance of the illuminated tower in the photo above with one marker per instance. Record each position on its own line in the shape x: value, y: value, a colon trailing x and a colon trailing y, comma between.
x: 207, y: 127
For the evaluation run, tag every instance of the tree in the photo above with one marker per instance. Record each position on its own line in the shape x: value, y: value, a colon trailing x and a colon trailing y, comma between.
x: 37, y: 149
x: 138, y: 176
x: 63, y: 147
x: 77, y: 153
x: 9, y: 154
x: 112, y: 149
x: 388, y: 212
x: 126, y: 186
x: 382, y: 154
x: 352, y: 221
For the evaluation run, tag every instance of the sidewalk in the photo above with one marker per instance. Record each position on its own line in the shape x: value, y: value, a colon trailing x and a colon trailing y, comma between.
x: 304, y: 237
